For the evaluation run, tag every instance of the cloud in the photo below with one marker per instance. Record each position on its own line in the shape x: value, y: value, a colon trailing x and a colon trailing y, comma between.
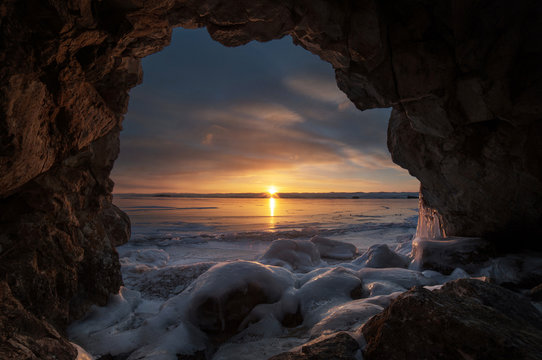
x: 208, y: 139
x: 319, y: 88
x: 209, y: 118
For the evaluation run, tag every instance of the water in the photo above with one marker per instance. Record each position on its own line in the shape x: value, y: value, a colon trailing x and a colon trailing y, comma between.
x: 192, y: 230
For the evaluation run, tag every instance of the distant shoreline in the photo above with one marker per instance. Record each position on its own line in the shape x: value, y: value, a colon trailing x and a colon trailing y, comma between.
x: 295, y: 195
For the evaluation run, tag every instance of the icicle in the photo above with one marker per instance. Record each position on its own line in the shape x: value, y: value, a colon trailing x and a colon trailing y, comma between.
x: 429, y: 222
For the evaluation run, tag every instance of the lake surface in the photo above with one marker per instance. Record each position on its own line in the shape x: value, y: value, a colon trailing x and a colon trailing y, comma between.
x: 216, y: 229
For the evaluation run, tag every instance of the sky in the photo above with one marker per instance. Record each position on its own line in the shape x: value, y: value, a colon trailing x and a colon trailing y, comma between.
x: 213, y: 119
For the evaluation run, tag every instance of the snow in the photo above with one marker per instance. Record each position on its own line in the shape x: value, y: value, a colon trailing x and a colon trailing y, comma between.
x: 185, y: 308
x: 334, y: 249
x: 381, y: 256
x: 346, y: 317
x: 324, y: 291
x: 299, y: 255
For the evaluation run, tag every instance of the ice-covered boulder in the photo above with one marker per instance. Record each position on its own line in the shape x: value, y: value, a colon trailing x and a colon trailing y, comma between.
x: 381, y: 256
x: 221, y: 298
x: 377, y: 288
x: 299, y: 255
x: 448, y: 254
x: 521, y: 271
x: 346, y: 317
x: 334, y: 249
x: 403, y: 278
x: 326, y: 290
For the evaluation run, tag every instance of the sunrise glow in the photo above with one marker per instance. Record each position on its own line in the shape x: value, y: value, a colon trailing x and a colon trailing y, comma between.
x: 272, y: 191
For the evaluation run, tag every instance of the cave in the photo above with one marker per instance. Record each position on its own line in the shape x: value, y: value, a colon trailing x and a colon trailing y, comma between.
x: 463, y: 78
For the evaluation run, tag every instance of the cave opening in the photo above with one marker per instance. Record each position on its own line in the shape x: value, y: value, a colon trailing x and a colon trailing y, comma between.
x: 463, y: 80
x: 229, y: 155
x: 212, y: 122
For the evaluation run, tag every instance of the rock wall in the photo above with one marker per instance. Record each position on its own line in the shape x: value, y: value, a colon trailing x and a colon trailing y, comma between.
x: 463, y: 78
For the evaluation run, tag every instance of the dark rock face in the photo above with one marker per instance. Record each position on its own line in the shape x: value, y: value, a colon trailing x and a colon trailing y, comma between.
x: 466, y: 319
x: 55, y: 245
x: 340, y: 346
x: 463, y: 78
x: 23, y: 336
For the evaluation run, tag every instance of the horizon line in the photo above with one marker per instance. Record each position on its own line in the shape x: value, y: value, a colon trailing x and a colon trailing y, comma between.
x: 264, y: 194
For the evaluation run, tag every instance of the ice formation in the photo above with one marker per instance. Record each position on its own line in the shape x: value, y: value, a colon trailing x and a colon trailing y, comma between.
x: 242, y: 309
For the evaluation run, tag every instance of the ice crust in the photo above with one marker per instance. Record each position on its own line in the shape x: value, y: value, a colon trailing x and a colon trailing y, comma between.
x: 243, y: 309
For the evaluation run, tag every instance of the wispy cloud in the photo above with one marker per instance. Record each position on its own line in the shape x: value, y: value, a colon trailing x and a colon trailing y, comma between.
x: 319, y: 88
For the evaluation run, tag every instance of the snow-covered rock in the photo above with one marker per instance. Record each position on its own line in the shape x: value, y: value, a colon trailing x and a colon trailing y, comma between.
x: 381, y: 256
x: 448, y: 254
x: 299, y: 255
x: 334, y: 249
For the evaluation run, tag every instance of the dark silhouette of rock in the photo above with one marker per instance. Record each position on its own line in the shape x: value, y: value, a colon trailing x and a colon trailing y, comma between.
x: 464, y: 79
x: 536, y: 293
x: 340, y: 346
x: 466, y: 319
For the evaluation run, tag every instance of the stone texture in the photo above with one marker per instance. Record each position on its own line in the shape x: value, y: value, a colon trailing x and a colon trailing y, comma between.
x: 117, y: 225
x: 463, y: 78
x: 466, y: 319
x: 340, y: 346
x: 23, y: 336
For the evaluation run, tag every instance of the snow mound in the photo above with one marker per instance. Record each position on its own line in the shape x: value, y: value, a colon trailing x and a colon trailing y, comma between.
x: 299, y: 255
x: 376, y: 288
x: 403, y: 278
x: 221, y: 299
x: 334, y: 249
x: 381, y: 256
x: 347, y: 317
x: 325, y: 291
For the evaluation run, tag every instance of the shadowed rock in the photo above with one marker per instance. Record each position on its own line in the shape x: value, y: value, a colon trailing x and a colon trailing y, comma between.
x: 340, y: 346
x: 466, y: 319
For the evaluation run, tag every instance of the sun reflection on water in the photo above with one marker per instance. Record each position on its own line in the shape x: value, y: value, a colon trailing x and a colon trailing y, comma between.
x: 272, y: 207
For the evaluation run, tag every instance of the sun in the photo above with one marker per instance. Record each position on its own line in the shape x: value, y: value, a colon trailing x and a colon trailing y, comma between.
x: 272, y: 190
